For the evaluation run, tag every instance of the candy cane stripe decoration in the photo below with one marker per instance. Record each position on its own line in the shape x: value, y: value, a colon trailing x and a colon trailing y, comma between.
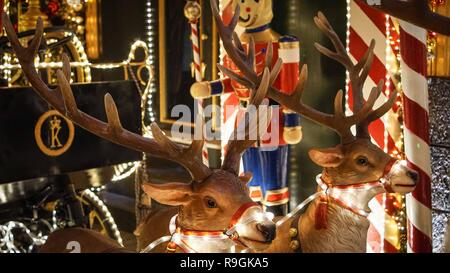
x: 198, y: 77
x: 196, y: 51
x: 192, y: 11
x: 416, y: 132
x: 365, y: 24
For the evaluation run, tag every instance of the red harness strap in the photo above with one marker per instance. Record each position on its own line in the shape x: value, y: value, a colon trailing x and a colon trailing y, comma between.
x: 322, y: 208
x: 238, y: 214
x: 172, y: 246
x: 389, y: 166
x: 387, y: 170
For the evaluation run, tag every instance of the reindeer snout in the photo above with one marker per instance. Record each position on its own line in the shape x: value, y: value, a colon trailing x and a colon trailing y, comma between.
x: 413, y: 175
x: 268, y: 231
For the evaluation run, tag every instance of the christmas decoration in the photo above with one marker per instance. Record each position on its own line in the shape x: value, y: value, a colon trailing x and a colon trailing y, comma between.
x: 417, y: 149
x: 209, y: 189
x: 384, y: 233
x: 193, y: 11
x: 392, y: 174
x: 417, y: 12
x: 268, y: 160
x: 374, y: 191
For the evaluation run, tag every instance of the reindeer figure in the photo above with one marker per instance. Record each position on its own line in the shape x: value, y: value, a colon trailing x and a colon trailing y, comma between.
x: 215, y: 200
x: 353, y: 172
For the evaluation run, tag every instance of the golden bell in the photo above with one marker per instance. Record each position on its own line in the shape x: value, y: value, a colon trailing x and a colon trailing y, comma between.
x: 192, y: 11
x: 293, y: 232
x: 295, y: 244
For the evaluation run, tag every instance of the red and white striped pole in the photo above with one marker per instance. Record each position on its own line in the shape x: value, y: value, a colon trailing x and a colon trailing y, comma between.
x: 364, y: 24
x: 416, y: 134
x: 192, y: 11
x: 196, y: 52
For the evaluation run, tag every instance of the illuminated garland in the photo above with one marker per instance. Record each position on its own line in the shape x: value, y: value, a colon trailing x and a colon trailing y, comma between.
x: 392, y: 204
x: 7, y: 237
x: 398, y: 201
x: 150, y: 37
x: 123, y: 171
x: 348, y: 111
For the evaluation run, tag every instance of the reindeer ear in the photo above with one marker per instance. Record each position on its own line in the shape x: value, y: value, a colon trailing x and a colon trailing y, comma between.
x: 172, y: 194
x: 246, y: 178
x: 329, y: 157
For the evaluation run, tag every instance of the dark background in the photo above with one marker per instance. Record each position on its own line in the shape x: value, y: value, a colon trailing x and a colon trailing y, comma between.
x: 122, y: 23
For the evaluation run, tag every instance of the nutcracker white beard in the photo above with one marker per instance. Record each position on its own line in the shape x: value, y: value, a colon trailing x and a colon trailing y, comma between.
x: 254, y: 13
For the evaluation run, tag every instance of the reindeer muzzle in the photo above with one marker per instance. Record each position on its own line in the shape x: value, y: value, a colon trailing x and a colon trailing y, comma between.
x: 391, y: 167
x: 238, y: 221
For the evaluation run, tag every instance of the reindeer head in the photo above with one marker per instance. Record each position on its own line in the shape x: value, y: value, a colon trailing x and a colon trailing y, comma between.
x: 215, y: 199
x: 214, y: 204
x: 356, y: 160
x: 218, y: 200
x: 361, y: 161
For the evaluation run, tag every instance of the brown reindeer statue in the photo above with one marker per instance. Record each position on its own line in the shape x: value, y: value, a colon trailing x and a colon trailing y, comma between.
x: 217, y: 200
x: 353, y: 172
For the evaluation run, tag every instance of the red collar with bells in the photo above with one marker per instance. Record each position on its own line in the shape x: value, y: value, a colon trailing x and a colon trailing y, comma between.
x: 333, y: 192
x: 172, y: 246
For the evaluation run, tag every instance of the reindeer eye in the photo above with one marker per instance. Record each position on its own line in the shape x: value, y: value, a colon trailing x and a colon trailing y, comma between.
x: 210, y: 202
x: 362, y: 160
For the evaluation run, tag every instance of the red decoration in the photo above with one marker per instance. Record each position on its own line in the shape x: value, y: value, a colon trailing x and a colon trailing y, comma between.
x: 321, y: 221
x: 436, y: 3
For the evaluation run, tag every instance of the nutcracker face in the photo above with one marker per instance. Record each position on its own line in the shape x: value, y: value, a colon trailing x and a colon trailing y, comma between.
x: 254, y: 13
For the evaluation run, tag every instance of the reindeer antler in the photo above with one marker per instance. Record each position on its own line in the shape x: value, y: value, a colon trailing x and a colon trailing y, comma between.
x: 358, y: 74
x: 62, y: 99
x: 338, y: 122
x: 242, y: 139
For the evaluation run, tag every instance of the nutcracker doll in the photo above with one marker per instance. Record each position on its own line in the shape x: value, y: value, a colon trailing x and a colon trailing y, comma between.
x: 268, y: 160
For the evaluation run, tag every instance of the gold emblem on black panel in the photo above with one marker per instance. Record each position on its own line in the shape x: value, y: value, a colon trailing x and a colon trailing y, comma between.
x: 54, y: 133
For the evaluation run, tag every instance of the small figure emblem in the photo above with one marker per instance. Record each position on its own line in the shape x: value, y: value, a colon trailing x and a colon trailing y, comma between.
x: 56, y: 130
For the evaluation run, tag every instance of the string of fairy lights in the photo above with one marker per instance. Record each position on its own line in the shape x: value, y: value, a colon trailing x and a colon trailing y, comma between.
x: 348, y: 111
x: 393, y: 69
x: 123, y: 171
x: 392, y: 81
